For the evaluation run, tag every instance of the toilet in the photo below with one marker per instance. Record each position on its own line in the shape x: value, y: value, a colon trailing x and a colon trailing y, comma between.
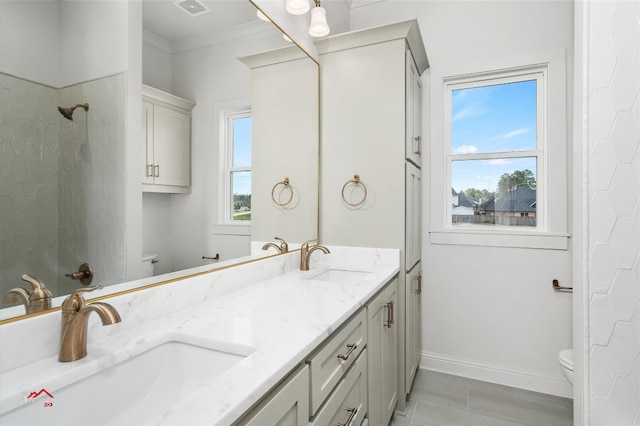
x: 148, y: 264
x: 566, y: 362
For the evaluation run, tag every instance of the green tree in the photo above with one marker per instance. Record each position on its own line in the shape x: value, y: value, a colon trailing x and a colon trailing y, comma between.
x: 510, y: 181
x: 476, y: 193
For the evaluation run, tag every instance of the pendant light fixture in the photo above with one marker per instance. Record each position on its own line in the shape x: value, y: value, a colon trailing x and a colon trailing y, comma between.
x: 319, y: 26
x: 297, y: 7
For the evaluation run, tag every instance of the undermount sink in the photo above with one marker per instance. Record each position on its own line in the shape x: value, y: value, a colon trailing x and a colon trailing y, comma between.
x: 134, y: 391
x: 340, y: 275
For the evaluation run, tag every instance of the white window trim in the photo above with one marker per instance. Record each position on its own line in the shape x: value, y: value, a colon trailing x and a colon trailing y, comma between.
x: 552, y: 174
x: 224, y: 175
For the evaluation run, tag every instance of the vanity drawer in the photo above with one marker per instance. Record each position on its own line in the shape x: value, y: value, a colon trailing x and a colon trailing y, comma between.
x: 348, y: 404
x: 334, y: 359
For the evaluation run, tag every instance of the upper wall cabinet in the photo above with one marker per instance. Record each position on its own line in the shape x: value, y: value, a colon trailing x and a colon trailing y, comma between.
x: 166, y: 132
x: 413, y: 99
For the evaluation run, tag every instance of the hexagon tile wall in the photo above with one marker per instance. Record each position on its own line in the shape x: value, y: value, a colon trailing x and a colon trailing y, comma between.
x: 614, y: 212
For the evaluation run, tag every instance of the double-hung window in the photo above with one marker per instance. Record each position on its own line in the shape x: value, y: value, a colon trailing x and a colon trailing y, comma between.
x: 237, y: 170
x: 499, y: 176
x: 497, y: 142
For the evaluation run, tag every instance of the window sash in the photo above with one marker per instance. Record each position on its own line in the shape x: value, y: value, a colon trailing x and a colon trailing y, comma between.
x: 537, y: 73
x: 229, y: 169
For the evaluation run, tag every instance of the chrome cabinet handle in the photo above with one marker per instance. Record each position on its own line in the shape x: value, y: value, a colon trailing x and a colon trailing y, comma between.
x: 352, y: 415
x: 419, y: 289
x: 149, y: 170
x: 156, y: 169
x: 352, y: 347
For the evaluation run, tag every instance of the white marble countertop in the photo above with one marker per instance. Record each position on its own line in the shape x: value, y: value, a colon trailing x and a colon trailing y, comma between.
x: 277, y: 322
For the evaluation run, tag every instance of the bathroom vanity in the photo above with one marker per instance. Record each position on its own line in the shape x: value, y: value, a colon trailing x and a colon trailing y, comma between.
x: 233, y: 346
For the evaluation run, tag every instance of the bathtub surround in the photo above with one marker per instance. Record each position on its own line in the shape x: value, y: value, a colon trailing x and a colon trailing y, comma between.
x: 263, y: 306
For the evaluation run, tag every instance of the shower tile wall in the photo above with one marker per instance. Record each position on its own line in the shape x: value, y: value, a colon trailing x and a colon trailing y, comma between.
x: 614, y: 212
x: 92, y: 181
x: 62, y: 182
x: 29, y: 148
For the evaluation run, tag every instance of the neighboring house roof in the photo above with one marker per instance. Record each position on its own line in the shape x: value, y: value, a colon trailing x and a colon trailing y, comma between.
x: 488, y: 204
x: 521, y: 199
x: 465, y: 201
x: 462, y: 199
x: 462, y: 211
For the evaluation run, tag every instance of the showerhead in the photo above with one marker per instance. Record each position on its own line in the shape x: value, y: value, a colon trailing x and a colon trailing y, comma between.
x: 68, y: 112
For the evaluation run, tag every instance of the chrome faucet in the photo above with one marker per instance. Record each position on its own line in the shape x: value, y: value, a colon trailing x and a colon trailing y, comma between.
x: 305, y: 253
x: 75, y: 318
x: 282, y: 248
x: 39, y: 299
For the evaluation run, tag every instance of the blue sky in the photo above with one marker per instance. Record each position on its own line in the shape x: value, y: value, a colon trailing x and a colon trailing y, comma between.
x: 491, y: 119
x: 242, y: 154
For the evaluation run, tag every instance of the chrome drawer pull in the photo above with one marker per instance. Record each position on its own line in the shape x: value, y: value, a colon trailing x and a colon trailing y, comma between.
x: 352, y: 415
x: 352, y: 347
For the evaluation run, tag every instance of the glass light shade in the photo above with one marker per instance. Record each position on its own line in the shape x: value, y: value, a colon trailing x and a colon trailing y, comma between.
x: 319, y: 26
x: 297, y: 7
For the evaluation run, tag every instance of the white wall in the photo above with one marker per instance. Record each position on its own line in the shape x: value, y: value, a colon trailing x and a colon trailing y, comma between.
x: 93, y: 40
x: 488, y: 313
x: 30, y: 40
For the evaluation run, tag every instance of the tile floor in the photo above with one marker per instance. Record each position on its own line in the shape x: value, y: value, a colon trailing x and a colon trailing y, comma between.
x: 439, y: 399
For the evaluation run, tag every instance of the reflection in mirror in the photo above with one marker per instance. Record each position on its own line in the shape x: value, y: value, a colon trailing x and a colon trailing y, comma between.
x: 69, y: 173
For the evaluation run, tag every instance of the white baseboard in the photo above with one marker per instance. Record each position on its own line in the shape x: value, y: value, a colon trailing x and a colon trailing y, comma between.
x: 495, y: 374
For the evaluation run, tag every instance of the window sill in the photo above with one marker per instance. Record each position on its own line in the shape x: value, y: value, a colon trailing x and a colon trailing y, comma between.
x: 232, y: 229
x: 470, y: 237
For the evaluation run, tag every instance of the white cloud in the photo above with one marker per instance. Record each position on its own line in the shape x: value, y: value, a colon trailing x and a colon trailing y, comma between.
x: 465, y: 149
x: 513, y: 133
x: 498, y: 162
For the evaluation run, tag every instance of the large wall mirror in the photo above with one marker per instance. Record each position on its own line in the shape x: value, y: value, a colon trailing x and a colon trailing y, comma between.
x: 68, y: 187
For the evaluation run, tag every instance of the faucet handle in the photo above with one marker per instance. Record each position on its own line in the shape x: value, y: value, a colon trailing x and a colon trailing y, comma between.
x: 75, y: 302
x: 315, y: 240
x: 39, y: 289
x: 284, y: 247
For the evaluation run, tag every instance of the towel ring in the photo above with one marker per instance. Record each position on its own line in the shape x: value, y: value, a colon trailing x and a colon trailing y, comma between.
x: 286, y: 185
x: 355, y: 181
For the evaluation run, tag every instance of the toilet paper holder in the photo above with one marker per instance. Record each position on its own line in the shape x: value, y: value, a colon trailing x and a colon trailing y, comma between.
x: 558, y: 287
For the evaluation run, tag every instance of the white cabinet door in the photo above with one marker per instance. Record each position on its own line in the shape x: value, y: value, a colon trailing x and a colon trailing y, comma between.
x: 413, y: 99
x: 288, y: 405
x: 413, y: 342
x: 413, y: 219
x: 147, y: 138
x: 383, y: 355
x: 171, y: 147
x: 166, y: 135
